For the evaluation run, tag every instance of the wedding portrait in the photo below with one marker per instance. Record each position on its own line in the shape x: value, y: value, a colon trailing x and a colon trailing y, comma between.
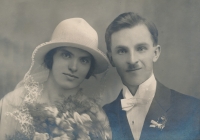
x: 99, y: 70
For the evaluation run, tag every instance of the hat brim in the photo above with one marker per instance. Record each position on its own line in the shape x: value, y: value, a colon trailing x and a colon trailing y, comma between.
x: 101, y: 61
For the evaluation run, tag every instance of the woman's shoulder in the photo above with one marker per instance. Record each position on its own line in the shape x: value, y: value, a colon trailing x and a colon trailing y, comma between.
x: 14, y: 97
x: 8, y: 104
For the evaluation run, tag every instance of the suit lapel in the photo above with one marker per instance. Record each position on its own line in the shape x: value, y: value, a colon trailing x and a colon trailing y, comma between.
x: 123, y: 121
x: 159, y: 107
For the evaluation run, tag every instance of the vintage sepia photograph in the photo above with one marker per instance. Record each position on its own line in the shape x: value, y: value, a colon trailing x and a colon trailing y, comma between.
x: 99, y: 70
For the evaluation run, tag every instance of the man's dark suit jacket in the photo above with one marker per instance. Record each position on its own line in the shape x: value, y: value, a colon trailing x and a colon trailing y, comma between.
x: 182, y: 113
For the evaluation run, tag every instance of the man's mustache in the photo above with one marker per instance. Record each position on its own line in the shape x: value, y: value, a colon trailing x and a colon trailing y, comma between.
x: 133, y: 67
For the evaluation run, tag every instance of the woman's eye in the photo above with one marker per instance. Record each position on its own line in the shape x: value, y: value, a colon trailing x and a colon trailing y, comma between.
x: 66, y: 55
x: 85, y: 60
x: 121, y: 51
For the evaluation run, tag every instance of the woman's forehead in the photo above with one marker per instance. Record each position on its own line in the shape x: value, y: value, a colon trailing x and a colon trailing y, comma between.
x: 74, y: 51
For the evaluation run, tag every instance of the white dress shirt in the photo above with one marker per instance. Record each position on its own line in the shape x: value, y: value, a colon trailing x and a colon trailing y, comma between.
x: 136, y: 115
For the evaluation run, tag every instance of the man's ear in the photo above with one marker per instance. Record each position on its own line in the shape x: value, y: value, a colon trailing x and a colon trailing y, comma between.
x: 157, y: 52
x: 109, y: 55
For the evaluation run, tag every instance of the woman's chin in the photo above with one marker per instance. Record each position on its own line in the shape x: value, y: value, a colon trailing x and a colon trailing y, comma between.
x: 70, y: 86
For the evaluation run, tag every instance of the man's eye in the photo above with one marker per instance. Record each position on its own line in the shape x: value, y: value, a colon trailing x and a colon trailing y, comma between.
x: 121, y: 51
x: 66, y: 55
x: 141, y: 49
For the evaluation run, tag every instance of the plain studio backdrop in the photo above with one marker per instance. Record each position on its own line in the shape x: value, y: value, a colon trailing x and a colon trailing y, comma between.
x: 24, y: 24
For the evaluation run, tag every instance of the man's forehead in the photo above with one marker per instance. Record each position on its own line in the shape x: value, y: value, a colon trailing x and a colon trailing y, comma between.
x: 135, y: 30
x: 138, y: 34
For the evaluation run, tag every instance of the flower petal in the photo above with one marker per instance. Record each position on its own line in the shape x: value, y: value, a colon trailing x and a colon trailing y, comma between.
x: 85, y: 117
x: 77, y: 118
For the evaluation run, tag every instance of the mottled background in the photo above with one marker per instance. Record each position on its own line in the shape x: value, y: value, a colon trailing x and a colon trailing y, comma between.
x: 24, y: 24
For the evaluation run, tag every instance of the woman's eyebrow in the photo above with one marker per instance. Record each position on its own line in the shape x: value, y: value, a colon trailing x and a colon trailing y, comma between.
x: 86, y: 57
x: 65, y: 50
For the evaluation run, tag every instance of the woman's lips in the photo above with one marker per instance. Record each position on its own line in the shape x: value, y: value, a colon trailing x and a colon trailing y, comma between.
x: 70, y: 75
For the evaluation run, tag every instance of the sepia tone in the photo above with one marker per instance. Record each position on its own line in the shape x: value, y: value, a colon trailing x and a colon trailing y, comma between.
x: 26, y: 24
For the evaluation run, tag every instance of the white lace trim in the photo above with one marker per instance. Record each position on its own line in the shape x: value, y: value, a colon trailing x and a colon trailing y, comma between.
x: 33, y: 90
x: 25, y: 121
x: 33, y: 58
x: 22, y: 115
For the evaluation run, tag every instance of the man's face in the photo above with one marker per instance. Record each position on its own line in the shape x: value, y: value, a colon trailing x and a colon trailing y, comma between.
x: 133, y: 54
x: 70, y: 67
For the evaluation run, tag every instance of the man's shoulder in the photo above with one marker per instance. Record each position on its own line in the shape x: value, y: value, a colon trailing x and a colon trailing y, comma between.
x: 113, y: 105
x: 183, y: 99
x: 106, y: 106
x: 110, y: 106
x: 175, y: 94
x: 182, y: 95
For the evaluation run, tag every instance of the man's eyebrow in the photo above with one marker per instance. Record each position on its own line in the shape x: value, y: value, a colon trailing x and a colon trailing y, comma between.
x: 120, y: 46
x: 141, y: 44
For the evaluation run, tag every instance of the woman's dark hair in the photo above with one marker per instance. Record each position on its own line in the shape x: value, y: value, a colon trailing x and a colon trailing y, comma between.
x: 48, y: 62
x: 48, y: 59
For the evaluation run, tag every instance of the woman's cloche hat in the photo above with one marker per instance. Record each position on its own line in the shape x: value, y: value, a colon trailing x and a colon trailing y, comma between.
x: 74, y: 32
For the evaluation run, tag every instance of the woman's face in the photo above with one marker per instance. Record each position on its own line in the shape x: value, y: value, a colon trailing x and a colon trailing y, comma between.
x: 70, y: 67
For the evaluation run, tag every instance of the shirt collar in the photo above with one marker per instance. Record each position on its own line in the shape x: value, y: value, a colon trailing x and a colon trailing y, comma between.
x: 148, y: 86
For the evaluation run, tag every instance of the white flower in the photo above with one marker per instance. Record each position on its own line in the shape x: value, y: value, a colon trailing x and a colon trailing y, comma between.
x: 160, y: 124
x: 77, y: 118
x: 58, y: 132
x: 58, y: 120
x: 63, y: 137
x: 52, y: 111
x: 85, y: 118
x: 41, y: 136
x: 155, y: 124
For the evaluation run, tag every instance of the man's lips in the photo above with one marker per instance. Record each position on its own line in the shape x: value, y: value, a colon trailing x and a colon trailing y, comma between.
x: 70, y: 75
x: 131, y: 70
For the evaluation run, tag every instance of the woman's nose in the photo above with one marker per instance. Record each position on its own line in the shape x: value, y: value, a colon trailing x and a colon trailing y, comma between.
x: 73, y: 66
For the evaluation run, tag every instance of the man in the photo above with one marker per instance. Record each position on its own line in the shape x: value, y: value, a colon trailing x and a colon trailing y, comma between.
x: 145, y: 109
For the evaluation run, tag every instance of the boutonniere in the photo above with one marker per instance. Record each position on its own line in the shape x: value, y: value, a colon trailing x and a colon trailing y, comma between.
x: 160, y: 123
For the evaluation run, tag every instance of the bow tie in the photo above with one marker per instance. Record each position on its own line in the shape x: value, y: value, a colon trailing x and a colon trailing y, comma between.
x: 128, y: 104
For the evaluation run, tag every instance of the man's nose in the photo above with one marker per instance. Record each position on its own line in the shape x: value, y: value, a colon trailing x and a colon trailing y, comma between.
x: 132, y: 58
x: 73, y: 65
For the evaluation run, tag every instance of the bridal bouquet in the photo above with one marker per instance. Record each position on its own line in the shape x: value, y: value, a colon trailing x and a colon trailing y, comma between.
x: 75, y: 118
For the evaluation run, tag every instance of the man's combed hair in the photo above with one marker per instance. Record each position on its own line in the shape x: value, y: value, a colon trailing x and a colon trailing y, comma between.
x: 129, y: 20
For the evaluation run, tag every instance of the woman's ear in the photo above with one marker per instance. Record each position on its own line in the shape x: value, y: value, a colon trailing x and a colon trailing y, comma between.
x: 109, y: 55
x: 157, y: 52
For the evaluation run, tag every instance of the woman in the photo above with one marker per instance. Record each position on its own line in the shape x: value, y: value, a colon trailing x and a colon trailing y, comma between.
x: 48, y: 103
